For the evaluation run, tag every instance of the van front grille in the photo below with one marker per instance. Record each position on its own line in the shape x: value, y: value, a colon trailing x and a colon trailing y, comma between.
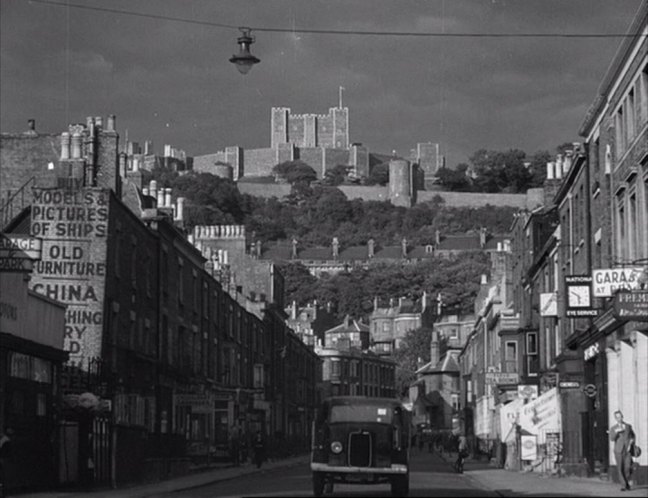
x: 360, y: 449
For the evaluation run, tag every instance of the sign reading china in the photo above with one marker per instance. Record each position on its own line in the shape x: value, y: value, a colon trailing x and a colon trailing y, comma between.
x: 606, y: 281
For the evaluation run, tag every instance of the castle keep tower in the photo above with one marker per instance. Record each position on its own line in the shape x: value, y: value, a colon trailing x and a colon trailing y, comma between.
x: 310, y: 130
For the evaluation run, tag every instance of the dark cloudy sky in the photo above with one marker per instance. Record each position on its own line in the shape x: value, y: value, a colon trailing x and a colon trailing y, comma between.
x: 171, y: 82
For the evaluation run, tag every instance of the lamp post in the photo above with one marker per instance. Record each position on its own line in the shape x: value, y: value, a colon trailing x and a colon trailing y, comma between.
x: 244, y: 60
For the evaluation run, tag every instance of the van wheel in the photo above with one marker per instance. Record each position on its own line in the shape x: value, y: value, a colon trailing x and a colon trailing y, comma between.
x: 318, y: 483
x: 400, y: 485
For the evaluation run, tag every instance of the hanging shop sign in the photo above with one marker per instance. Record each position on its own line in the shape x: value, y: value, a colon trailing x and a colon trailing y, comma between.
x: 569, y: 384
x: 578, y: 296
x: 502, y: 378
x: 632, y: 305
x: 607, y: 281
x: 591, y: 351
x: 548, y: 304
x: 590, y: 390
x: 528, y: 391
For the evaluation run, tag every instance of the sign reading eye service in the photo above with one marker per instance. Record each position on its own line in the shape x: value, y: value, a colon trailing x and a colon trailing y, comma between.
x: 607, y: 281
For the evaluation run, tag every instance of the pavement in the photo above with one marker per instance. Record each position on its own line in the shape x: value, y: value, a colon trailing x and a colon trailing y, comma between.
x: 482, y: 475
x: 520, y: 483
x: 195, y: 480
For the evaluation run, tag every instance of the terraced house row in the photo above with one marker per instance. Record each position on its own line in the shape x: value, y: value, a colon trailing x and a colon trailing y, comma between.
x: 169, y: 348
x: 561, y: 335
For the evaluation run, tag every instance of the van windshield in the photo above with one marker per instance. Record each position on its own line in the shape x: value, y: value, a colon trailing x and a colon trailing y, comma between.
x: 361, y: 413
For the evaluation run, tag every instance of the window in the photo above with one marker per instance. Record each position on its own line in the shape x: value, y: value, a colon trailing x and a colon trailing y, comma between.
x: 511, y: 351
x: 532, y: 343
x: 619, y: 125
x: 532, y: 354
x: 621, y: 228
x: 633, y: 228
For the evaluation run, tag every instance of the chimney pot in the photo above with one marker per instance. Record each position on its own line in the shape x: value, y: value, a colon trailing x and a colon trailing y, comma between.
x: 65, y: 146
x: 31, y: 124
x: 110, y: 122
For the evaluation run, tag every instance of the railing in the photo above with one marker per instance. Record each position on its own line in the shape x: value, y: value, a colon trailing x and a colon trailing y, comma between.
x: 15, y: 203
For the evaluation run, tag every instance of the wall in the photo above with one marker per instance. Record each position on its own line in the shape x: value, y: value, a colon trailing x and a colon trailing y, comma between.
x: 452, y: 199
x: 74, y: 228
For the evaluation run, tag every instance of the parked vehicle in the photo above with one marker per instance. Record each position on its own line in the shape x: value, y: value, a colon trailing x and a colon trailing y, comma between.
x: 361, y: 440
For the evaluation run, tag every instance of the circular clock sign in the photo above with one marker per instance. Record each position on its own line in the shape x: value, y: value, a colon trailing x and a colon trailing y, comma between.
x: 590, y: 390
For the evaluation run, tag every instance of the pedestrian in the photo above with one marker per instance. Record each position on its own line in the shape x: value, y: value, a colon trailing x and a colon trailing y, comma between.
x: 6, y: 447
x: 258, y: 447
x: 462, y: 453
x: 623, y: 437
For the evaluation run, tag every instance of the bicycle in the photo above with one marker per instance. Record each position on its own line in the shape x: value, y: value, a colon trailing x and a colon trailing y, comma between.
x: 459, y: 463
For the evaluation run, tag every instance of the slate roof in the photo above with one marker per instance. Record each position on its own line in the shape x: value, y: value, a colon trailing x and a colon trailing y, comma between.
x: 447, y: 364
x: 348, y: 325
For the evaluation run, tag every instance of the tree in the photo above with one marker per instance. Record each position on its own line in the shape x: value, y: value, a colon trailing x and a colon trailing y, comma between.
x: 498, y: 171
x: 336, y: 175
x: 295, y: 171
x: 453, y: 179
x: 379, y: 174
x: 300, y: 285
x: 414, y: 351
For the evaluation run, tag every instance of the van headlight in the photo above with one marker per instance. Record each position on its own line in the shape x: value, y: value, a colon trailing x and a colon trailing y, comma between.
x: 336, y: 447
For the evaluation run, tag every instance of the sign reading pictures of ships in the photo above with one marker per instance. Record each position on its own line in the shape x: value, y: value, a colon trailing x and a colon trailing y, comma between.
x: 632, y: 305
x: 608, y: 281
x: 578, y: 296
x: 73, y: 225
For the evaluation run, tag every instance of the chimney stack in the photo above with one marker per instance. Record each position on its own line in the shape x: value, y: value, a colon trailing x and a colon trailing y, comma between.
x: 65, y: 146
x: 434, y: 349
x: 180, y: 208
x: 75, y: 145
x: 110, y: 122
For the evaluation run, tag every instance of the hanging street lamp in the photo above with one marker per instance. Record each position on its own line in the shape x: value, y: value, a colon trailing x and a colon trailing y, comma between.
x: 244, y: 60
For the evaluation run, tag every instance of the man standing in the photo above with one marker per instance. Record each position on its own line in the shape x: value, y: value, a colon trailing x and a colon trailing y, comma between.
x: 5, y: 455
x: 623, y: 437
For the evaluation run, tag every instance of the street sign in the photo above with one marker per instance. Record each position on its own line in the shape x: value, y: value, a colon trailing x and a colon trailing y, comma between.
x: 569, y: 384
x: 590, y: 390
x: 20, y: 246
x: 16, y: 264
